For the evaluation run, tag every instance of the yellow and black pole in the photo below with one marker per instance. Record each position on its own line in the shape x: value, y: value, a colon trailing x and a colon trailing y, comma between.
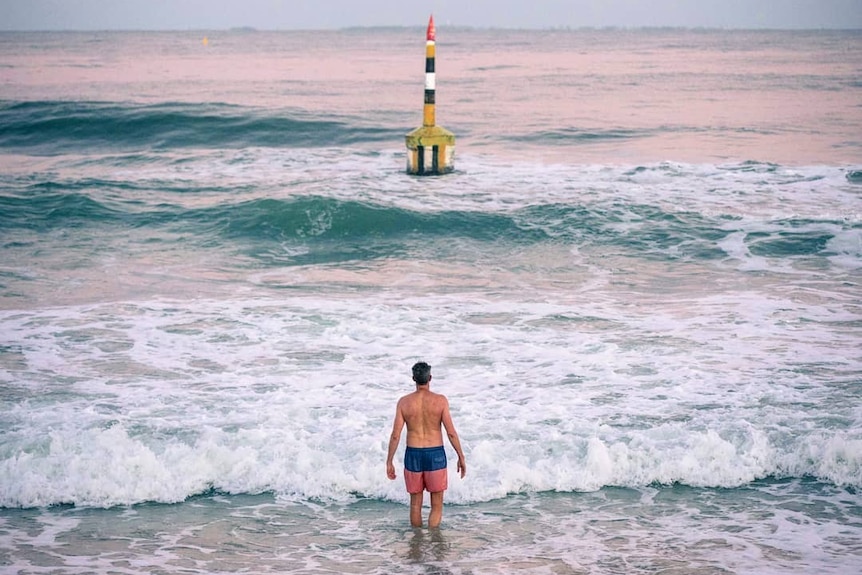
x: 431, y: 148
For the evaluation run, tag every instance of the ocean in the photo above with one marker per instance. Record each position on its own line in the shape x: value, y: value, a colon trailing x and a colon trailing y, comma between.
x: 639, y: 289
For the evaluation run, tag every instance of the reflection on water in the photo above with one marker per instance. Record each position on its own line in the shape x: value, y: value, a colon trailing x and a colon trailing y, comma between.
x: 428, y: 546
x: 778, y: 526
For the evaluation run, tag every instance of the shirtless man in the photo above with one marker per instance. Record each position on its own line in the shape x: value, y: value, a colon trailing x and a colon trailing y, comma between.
x: 424, y: 412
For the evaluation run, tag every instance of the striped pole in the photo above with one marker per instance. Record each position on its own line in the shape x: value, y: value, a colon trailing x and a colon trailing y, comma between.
x: 431, y: 148
x: 428, y: 116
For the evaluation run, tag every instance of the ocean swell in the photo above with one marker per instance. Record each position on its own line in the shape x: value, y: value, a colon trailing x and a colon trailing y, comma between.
x: 54, y: 127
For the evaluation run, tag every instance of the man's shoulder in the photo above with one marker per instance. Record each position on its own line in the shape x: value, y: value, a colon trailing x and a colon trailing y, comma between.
x: 404, y: 399
x: 439, y: 400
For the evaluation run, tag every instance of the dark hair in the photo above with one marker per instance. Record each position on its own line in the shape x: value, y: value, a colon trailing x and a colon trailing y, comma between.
x: 421, y: 373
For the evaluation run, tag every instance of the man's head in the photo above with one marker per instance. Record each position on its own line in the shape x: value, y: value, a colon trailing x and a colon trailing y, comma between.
x: 421, y: 373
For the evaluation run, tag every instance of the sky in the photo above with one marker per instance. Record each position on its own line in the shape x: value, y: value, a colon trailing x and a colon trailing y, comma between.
x: 333, y: 14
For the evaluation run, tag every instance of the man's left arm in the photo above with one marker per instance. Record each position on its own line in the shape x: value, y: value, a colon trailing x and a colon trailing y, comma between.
x: 453, y: 438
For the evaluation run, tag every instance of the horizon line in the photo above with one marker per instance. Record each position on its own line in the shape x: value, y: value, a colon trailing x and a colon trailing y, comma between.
x: 455, y: 27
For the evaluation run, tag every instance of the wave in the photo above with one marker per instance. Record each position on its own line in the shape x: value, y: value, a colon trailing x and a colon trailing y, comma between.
x: 329, y: 229
x: 642, y: 230
x: 332, y: 219
x: 52, y: 204
x: 52, y: 209
x: 53, y: 127
x: 114, y: 466
x: 568, y: 136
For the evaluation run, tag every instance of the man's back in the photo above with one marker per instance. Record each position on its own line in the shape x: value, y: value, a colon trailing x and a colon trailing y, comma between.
x: 423, y: 412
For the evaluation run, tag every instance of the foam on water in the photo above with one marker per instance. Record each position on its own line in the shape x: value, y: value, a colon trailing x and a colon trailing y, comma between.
x: 157, y: 401
x: 578, y: 347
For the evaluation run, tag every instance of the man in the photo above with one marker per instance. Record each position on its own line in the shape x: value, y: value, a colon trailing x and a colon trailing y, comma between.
x: 424, y: 412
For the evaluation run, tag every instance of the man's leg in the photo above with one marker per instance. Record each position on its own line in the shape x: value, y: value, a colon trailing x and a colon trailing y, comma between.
x: 436, y: 509
x: 416, y: 508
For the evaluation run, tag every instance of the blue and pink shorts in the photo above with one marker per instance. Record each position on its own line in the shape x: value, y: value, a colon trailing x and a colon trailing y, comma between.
x: 425, y: 469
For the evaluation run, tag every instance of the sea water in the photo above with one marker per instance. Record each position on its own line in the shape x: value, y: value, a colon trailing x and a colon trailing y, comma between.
x: 640, y: 290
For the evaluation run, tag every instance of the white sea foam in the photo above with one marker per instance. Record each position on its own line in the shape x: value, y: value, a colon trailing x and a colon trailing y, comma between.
x: 571, y: 364
x: 162, y: 400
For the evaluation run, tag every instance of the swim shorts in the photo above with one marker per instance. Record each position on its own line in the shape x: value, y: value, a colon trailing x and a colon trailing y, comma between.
x: 425, y: 468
